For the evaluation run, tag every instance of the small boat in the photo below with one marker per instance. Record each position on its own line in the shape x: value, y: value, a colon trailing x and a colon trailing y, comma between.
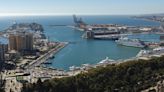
x: 142, y: 53
x: 47, y: 63
x: 107, y: 60
x: 51, y: 57
x: 73, y: 42
x: 72, y: 68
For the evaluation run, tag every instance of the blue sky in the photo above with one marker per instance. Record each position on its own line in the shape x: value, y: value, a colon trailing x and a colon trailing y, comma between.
x: 62, y: 7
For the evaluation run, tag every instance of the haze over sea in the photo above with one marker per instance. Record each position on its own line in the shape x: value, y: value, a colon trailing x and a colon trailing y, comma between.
x: 83, y: 51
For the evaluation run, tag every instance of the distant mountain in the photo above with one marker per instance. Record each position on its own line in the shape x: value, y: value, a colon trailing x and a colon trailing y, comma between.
x: 153, y: 14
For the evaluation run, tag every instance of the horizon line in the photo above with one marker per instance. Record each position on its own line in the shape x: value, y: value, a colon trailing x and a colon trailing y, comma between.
x: 67, y: 14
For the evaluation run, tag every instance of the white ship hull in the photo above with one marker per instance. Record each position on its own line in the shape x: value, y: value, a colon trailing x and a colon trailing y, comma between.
x: 156, y: 51
x: 131, y: 43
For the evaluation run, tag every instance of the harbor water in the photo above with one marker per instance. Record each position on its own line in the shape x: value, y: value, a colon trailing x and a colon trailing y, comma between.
x: 82, y: 51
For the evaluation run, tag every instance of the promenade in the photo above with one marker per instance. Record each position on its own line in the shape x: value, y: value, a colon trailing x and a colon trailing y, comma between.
x: 45, y: 57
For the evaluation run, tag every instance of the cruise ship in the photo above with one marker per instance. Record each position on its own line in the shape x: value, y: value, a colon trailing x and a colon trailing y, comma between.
x: 131, y: 42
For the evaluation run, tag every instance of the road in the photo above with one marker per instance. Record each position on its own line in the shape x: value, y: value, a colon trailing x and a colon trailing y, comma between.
x: 46, y: 56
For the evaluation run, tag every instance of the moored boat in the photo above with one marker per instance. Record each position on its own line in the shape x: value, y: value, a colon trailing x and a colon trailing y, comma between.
x: 106, y: 60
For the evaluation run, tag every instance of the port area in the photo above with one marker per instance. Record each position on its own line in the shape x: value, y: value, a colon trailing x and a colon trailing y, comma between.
x: 31, y: 71
x: 28, y: 65
x: 36, y: 66
x: 113, y: 31
x: 34, y: 71
x: 15, y: 78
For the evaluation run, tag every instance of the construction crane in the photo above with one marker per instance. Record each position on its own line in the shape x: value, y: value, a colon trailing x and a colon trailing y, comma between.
x: 79, y: 22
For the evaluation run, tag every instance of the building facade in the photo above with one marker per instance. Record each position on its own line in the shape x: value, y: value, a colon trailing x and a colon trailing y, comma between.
x: 21, y: 41
x: 3, y: 50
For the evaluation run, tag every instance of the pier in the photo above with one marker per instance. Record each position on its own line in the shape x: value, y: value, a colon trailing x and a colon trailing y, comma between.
x: 46, y: 56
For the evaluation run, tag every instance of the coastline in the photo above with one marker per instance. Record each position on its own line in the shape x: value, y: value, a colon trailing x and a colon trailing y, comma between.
x: 36, y: 70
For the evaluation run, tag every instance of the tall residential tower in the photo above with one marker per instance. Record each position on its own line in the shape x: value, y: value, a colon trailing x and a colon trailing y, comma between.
x: 21, y: 41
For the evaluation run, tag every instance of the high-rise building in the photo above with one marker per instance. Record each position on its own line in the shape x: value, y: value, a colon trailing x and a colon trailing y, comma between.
x: 3, y: 49
x: 2, y: 53
x: 12, y: 42
x: 21, y: 41
x: 29, y: 41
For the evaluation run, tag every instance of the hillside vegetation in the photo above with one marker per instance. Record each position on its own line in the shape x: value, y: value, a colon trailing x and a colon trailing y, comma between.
x: 131, y: 76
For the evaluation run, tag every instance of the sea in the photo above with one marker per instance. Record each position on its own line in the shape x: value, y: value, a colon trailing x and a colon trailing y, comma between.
x: 82, y: 51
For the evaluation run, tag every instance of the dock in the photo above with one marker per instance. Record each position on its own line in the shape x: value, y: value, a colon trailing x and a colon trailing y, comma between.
x: 45, y: 57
